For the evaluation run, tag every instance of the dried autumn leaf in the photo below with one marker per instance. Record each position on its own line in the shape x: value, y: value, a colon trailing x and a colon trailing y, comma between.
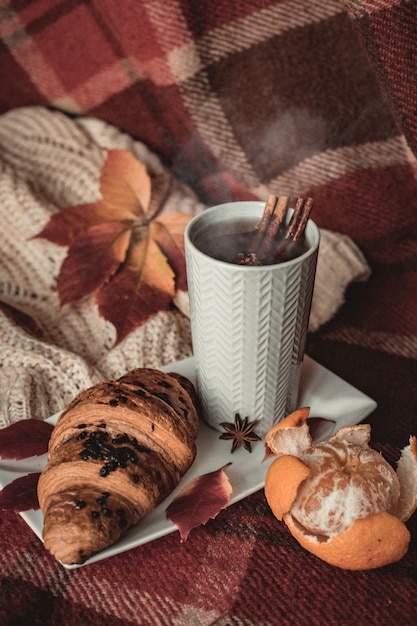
x: 268, y: 454
x: 131, y: 261
x: 320, y: 428
x: 201, y: 500
x: 168, y: 232
x: 24, y: 439
x: 125, y: 182
x: 21, y: 494
x: 145, y: 286
x: 22, y: 319
x: 92, y: 259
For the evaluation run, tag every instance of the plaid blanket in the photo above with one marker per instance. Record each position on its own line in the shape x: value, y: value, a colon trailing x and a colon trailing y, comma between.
x: 241, y: 99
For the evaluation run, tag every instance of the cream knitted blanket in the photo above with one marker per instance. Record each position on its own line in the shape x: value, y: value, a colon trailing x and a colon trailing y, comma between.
x: 49, y: 161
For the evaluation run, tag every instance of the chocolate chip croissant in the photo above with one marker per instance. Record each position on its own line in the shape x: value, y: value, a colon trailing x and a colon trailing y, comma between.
x: 117, y: 451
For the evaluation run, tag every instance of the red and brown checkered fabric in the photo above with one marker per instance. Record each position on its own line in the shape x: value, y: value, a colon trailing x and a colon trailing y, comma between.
x: 242, y: 99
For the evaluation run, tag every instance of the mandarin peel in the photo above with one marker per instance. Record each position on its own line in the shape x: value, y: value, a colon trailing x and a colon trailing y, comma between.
x: 291, y: 435
x: 368, y: 543
x: 407, y: 474
x: 341, y: 499
x: 281, y: 494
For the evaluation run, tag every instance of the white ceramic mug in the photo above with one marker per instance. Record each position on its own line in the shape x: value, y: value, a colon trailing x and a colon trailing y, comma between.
x: 249, y: 323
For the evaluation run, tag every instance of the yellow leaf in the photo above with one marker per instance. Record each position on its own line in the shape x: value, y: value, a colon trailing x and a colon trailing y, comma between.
x: 125, y: 182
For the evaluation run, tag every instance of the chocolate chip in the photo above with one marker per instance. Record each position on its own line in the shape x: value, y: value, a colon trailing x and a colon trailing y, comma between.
x: 98, y: 447
x: 163, y: 396
x: 107, y: 512
x: 112, y: 465
x: 120, y: 439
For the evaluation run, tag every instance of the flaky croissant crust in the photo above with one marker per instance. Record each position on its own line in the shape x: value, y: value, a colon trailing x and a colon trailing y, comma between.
x: 116, y: 452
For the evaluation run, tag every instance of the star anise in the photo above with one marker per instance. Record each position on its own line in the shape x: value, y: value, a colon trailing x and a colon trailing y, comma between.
x: 241, y: 432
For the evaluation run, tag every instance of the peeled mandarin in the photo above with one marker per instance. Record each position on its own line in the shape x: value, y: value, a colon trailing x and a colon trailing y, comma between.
x: 346, y: 482
x: 341, y: 499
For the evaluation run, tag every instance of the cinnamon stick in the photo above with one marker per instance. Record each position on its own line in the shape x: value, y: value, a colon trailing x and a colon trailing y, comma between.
x: 275, y: 224
x: 299, y: 219
x: 262, y: 229
x: 295, y: 230
x: 273, y: 241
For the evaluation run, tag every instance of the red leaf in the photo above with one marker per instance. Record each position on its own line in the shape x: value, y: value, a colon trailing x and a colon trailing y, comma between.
x: 268, y: 453
x: 201, y: 500
x: 320, y: 427
x: 168, y: 232
x: 144, y: 286
x: 24, y: 439
x: 132, y: 263
x: 65, y: 226
x: 92, y: 259
x: 21, y: 494
x: 126, y: 189
x: 22, y: 319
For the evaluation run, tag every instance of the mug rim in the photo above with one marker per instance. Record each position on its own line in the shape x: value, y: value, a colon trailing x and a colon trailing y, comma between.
x: 204, y: 218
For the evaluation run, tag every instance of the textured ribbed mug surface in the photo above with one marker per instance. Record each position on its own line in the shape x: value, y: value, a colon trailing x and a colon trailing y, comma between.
x: 249, y: 325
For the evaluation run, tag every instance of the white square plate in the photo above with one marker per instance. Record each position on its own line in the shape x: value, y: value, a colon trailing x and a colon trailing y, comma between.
x: 326, y: 394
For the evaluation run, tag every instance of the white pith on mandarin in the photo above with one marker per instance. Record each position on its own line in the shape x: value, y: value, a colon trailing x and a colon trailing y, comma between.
x: 346, y: 482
